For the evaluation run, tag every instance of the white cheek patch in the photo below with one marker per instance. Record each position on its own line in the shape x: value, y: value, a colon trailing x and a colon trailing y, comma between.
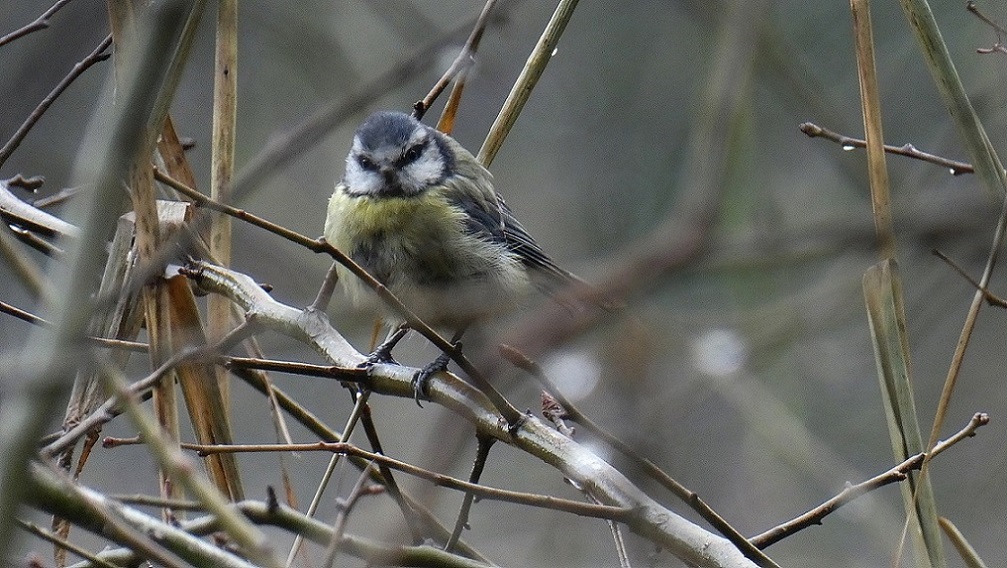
x: 360, y: 181
x: 429, y: 168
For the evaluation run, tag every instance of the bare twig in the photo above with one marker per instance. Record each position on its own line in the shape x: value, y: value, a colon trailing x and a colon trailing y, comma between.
x: 56, y: 198
x: 95, y: 56
x: 102, y: 341
x: 998, y: 46
x: 484, y: 443
x: 371, y: 431
x: 321, y: 301
x: 352, y: 374
x: 462, y: 62
x: 36, y: 242
x: 40, y: 23
x: 955, y: 167
x: 851, y: 492
x: 345, y: 507
x: 991, y: 298
x: 64, y: 544
x: 26, y: 183
x: 316, y: 500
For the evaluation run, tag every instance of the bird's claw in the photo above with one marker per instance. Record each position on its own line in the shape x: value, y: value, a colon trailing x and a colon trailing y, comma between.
x: 380, y: 356
x: 423, y: 376
x: 383, y: 353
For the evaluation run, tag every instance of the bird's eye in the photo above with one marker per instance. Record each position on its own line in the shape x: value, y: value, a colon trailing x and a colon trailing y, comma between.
x: 366, y: 163
x: 412, y: 154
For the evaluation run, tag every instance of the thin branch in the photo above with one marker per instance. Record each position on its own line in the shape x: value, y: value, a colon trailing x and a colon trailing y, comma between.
x: 36, y: 242
x: 622, y: 514
x: 991, y: 298
x: 484, y: 443
x: 461, y: 64
x: 851, y: 492
x: 159, y: 502
x: 394, y: 491
x: 351, y: 374
x: 617, y: 539
x: 56, y: 198
x: 40, y: 23
x: 955, y: 167
x: 65, y: 544
x: 345, y: 507
x: 971, y: 6
x: 95, y: 56
x: 102, y: 341
x: 324, y: 296
x: 1000, y: 31
x: 351, y: 422
x: 30, y: 184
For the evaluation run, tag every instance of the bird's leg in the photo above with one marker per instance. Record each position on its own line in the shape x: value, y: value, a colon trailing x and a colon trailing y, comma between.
x: 383, y: 352
x: 436, y: 366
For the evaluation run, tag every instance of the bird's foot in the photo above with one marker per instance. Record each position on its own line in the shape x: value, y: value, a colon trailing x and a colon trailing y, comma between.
x: 383, y: 353
x: 423, y: 376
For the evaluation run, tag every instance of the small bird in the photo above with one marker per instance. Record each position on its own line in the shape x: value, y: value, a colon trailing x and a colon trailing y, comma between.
x: 419, y: 213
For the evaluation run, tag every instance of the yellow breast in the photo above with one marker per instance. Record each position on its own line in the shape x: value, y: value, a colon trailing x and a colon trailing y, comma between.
x: 425, y: 220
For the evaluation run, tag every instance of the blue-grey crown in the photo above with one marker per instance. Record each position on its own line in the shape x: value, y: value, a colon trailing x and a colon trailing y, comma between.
x: 386, y: 128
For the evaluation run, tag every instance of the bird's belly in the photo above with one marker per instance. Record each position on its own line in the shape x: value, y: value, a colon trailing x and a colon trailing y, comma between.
x: 420, y: 252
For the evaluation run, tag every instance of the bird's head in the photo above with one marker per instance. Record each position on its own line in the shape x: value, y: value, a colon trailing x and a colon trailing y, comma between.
x: 395, y: 155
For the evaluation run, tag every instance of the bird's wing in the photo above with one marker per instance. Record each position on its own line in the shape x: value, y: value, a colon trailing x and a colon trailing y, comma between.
x: 488, y: 217
x: 524, y: 246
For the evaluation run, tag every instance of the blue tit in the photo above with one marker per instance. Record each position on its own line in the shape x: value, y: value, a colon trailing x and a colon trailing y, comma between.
x: 419, y: 213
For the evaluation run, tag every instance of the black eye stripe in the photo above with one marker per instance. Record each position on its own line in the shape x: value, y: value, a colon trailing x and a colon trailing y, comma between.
x: 366, y: 163
x: 412, y: 154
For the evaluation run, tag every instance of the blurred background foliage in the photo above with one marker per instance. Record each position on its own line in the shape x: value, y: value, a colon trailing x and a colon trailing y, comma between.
x: 746, y: 372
